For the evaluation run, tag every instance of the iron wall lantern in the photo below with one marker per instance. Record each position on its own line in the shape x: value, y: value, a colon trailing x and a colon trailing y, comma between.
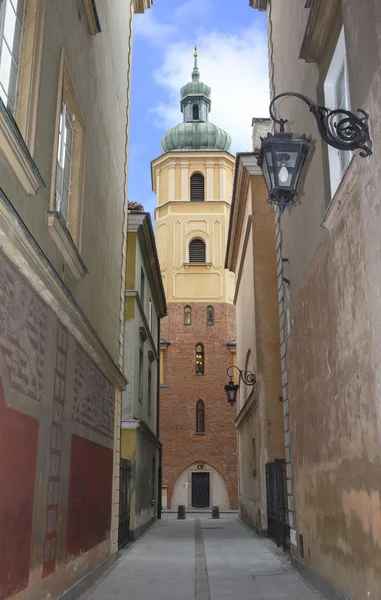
x: 282, y: 156
x: 232, y: 388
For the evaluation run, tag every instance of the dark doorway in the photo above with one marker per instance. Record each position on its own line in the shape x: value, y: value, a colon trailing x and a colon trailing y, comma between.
x: 277, y: 517
x: 200, y: 490
x: 124, y: 502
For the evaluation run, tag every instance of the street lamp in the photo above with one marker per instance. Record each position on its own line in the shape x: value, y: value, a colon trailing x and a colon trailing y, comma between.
x: 231, y: 388
x: 282, y: 156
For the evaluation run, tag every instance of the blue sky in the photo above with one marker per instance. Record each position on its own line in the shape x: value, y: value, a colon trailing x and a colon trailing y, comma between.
x: 232, y: 47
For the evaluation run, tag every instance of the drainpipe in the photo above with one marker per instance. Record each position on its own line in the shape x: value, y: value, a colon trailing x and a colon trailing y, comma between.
x: 159, y: 472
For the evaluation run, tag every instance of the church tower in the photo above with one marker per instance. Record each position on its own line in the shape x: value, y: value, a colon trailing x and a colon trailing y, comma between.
x: 193, y: 180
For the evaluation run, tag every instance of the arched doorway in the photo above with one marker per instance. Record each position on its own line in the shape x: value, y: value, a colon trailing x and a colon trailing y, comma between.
x: 200, y: 486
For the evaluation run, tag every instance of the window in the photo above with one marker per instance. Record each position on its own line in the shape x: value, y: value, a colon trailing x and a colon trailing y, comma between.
x: 195, y: 112
x: 200, y: 417
x: 142, y: 287
x: 199, y: 359
x: 150, y: 313
x: 197, y: 251
x: 149, y: 391
x: 197, y: 187
x: 336, y: 92
x: 66, y: 201
x: 64, y: 162
x: 12, y: 17
x: 254, y: 456
x: 187, y: 315
x: 141, y: 375
x: 210, y: 315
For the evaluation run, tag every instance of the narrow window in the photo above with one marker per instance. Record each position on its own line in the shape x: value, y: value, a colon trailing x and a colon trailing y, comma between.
x: 149, y: 391
x: 210, y: 315
x: 187, y: 315
x: 199, y: 359
x: 64, y: 163
x: 141, y: 375
x: 197, y: 251
x: 254, y: 457
x: 200, y: 417
x: 12, y: 17
x: 142, y: 287
x: 197, y: 187
x: 195, y: 112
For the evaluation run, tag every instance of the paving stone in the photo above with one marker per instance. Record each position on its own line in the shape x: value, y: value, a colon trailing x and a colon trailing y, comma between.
x: 198, y: 559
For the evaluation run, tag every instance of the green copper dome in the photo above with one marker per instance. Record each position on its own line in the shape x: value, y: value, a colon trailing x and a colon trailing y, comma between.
x: 195, y: 133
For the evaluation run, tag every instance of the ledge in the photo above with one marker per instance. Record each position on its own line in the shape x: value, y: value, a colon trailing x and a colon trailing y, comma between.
x: 197, y: 264
x: 66, y: 245
x: 141, y: 5
x: 92, y: 16
x: 17, y: 154
x: 321, y: 17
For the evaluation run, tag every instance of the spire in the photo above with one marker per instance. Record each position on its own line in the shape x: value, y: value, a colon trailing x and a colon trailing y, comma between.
x: 195, y: 72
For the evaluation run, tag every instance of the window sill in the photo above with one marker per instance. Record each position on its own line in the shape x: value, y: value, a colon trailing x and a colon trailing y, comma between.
x: 66, y: 245
x: 199, y: 432
x: 197, y: 264
x: 200, y: 374
x: 163, y: 385
x: 17, y: 154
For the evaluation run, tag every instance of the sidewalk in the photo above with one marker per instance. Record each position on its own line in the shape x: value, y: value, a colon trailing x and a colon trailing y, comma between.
x: 201, y: 560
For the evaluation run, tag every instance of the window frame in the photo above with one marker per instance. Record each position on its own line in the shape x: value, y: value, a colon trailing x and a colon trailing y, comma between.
x: 140, y: 381
x: 194, y: 262
x: 208, y: 308
x: 149, y: 398
x: 187, y: 311
x: 18, y: 62
x: 192, y: 177
x: 200, y: 359
x: 337, y: 65
x: 68, y: 235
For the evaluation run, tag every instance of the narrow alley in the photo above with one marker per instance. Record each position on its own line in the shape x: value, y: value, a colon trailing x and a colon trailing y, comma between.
x: 201, y: 559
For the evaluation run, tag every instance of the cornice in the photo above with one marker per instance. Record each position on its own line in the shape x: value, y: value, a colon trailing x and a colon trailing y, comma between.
x: 321, y: 17
x: 92, y: 16
x: 247, y: 410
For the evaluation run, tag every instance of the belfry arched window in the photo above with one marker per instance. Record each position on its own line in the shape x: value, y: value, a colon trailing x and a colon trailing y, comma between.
x: 197, y: 187
x: 199, y: 359
x: 196, y: 112
x: 200, y: 417
x: 197, y: 251
x: 187, y: 315
x: 210, y: 315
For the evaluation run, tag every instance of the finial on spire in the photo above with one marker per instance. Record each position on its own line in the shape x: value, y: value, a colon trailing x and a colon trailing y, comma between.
x: 195, y: 72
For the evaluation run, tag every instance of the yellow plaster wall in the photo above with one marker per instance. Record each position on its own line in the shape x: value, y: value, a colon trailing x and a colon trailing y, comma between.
x: 179, y: 221
x: 131, y: 261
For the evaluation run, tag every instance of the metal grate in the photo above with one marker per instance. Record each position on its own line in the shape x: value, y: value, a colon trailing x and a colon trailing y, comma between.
x: 197, y: 251
x: 197, y: 187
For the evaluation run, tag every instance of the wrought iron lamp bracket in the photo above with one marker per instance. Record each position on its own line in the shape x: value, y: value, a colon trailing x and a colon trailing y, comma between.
x: 247, y: 377
x: 339, y: 128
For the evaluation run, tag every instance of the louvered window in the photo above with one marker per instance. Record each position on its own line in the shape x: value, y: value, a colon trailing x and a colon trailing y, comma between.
x: 195, y: 112
x: 197, y: 251
x: 197, y: 187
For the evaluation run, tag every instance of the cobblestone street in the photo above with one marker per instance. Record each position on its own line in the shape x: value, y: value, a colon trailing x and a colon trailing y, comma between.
x: 202, y: 559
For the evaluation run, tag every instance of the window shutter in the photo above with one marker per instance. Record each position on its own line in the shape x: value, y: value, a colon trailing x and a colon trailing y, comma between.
x: 197, y: 251
x: 197, y: 187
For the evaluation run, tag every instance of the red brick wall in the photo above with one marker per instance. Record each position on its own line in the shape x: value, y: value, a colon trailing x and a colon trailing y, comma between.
x: 181, y: 445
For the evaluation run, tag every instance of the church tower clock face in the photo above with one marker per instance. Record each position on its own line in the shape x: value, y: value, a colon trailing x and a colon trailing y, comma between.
x: 193, y: 179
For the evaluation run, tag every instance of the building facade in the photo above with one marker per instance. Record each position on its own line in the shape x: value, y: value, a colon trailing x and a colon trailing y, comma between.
x: 145, y: 306
x: 193, y: 183
x: 328, y: 259
x: 251, y: 255
x: 62, y: 229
